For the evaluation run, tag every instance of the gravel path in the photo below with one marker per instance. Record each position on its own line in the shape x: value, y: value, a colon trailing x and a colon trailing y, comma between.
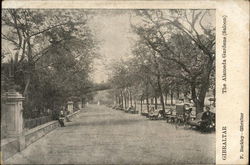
x: 100, y: 135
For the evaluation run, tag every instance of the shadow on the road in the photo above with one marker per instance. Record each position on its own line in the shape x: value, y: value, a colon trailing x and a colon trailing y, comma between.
x: 195, y: 130
x: 105, y: 122
x: 96, y: 115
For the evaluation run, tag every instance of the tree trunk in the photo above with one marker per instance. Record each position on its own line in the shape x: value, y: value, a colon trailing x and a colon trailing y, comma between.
x: 147, y: 102
x: 199, y: 100
x: 141, y: 103
x: 162, y: 102
x: 30, y: 69
x: 119, y: 100
x: 116, y: 99
x: 125, y: 100
x: 147, y: 99
x: 193, y: 93
x: 82, y: 102
x: 156, y: 102
x: 25, y: 92
x: 178, y: 92
x: 131, y: 99
x: 166, y: 98
x: 171, y: 97
x: 202, y: 96
x: 135, y: 103
x: 161, y: 93
x: 122, y: 99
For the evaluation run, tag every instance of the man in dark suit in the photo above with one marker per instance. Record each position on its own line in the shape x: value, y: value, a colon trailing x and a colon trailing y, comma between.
x: 207, y: 114
x: 61, y: 118
x: 206, y: 118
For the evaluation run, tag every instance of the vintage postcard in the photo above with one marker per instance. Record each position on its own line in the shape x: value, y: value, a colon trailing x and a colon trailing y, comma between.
x: 125, y: 82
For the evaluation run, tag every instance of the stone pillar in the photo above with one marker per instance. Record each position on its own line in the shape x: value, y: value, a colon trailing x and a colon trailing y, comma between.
x: 70, y: 106
x: 13, y: 113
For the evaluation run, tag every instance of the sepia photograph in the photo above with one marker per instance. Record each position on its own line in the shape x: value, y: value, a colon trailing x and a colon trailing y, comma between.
x: 108, y: 86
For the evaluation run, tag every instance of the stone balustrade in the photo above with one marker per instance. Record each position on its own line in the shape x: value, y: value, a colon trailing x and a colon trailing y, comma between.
x: 14, y: 138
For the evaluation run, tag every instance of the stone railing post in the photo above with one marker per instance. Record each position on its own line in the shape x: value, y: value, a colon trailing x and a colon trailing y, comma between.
x: 70, y: 106
x: 13, y: 113
x: 13, y: 116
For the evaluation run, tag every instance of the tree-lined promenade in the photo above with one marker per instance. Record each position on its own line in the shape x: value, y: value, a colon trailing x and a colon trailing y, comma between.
x: 50, y: 55
x: 49, y: 59
x: 173, y: 56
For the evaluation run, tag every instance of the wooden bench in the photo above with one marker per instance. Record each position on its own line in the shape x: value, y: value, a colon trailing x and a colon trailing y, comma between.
x: 133, y: 111
x: 126, y: 110
x: 156, y: 114
x: 197, y: 121
x: 178, y: 113
x: 144, y: 114
x: 153, y: 114
x: 203, y: 125
x: 170, y: 115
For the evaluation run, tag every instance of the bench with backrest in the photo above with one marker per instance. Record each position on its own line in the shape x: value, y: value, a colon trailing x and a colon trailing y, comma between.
x: 126, y: 110
x: 156, y: 114
x: 152, y: 114
x: 193, y: 113
x: 117, y: 107
x: 203, y: 125
x: 197, y: 121
x: 144, y: 114
x: 169, y: 114
x: 180, y: 110
x: 133, y: 110
x: 129, y: 110
x: 177, y: 113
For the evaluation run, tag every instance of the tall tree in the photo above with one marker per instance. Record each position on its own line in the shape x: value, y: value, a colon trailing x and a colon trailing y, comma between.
x: 186, y: 44
x: 53, y: 52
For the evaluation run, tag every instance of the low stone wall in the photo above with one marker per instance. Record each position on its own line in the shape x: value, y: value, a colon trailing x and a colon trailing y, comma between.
x: 36, y: 133
x: 70, y: 116
x: 11, y: 146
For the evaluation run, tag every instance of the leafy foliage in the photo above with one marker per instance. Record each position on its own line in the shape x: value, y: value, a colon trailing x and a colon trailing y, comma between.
x: 53, y: 52
x: 175, y: 52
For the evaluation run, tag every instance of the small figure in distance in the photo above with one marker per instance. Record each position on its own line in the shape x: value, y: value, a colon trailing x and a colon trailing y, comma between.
x: 61, y: 118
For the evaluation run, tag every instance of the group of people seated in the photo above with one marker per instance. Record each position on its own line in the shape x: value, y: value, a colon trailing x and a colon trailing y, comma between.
x: 155, y: 113
x: 185, y: 115
x: 62, y: 116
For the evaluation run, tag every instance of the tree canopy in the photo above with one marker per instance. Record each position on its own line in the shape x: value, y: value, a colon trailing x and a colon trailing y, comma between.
x: 175, y: 52
x: 52, y: 53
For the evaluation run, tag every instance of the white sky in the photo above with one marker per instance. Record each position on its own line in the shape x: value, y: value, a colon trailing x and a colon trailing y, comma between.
x: 112, y: 28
